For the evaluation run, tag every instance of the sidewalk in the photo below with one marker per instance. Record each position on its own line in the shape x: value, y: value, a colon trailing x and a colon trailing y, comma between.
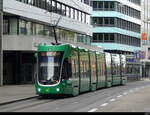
x: 13, y: 93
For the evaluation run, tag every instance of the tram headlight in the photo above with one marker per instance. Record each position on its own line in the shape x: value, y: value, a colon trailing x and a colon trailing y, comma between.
x: 39, y: 89
x: 57, y: 89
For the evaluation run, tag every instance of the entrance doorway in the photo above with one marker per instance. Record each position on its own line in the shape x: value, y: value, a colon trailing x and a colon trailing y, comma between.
x: 19, y: 67
x: 7, y: 74
x: 27, y: 73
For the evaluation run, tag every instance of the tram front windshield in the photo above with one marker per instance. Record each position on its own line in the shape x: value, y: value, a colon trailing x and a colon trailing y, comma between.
x: 49, y: 67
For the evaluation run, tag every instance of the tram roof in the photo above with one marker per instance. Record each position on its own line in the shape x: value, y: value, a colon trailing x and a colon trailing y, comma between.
x: 93, y: 48
x: 86, y: 47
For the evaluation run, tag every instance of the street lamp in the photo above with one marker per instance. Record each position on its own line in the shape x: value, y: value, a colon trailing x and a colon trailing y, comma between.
x: 1, y: 42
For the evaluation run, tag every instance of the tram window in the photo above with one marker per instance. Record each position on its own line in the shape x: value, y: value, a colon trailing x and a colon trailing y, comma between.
x: 84, y: 68
x: 74, y: 65
x: 93, y: 65
x: 66, y: 70
x: 83, y: 71
x: 87, y: 68
x: 93, y: 69
x: 116, y: 65
x: 103, y: 70
x: 108, y: 64
x: 101, y: 66
x: 84, y: 64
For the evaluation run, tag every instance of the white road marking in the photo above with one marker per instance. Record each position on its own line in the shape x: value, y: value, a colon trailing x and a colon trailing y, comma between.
x: 57, y: 108
x: 76, y: 102
x: 119, y: 96
x: 136, y: 89
x: 105, y: 104
x: 125, y: 93
x: 140, y: 87
x: 93, y: 110
x: 143, y: 87
x: 131, y: 91
x: 113, y: 100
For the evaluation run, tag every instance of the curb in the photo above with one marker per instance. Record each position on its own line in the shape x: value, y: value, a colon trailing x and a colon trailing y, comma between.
x: 19, y: 100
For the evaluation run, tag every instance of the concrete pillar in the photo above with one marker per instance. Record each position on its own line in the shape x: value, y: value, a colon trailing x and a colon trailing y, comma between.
x: 1, y: 42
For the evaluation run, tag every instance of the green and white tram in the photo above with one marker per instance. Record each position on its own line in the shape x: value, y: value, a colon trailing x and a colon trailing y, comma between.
x: 70, y: 70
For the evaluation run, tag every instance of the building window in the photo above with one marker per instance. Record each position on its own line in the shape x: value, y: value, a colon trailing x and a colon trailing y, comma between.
x: 115, y: 6
x: 6, y: 26
x: 60, y: 8
x: 116, y: 38
x: 116, y: 22
x: 13, y: 26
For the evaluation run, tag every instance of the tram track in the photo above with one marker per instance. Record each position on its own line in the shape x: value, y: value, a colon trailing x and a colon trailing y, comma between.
x: 24, y: 104
x: 17, y: 100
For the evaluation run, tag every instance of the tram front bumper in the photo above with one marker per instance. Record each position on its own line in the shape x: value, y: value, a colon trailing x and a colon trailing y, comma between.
x: 48, y: 90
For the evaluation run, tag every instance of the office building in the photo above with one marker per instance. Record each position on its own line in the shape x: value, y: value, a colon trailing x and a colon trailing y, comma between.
x: 28, y: 23
x: 117, y: 25
x: 117, y: 28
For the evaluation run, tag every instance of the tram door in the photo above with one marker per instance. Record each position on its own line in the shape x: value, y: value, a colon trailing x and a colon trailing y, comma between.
x: 123, y: 69
x: 84, y: 71
x: 27, y: 73
x: 108, y: 70
x: 116, y: 69
x: 93, y: 70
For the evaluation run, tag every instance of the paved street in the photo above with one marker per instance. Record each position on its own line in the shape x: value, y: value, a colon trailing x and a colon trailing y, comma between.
x: 136, y: 100
x: 134, y: 97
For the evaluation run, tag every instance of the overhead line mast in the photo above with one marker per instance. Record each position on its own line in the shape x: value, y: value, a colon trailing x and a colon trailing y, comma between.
x: 1, y: 42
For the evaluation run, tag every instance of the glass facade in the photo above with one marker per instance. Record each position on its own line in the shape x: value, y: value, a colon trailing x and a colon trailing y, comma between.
x: 117, y: 22
x: 85, y: 1
x: 116, y: 38
x: 137, y: 2
x: 61, y: 9
x: 19, y: 26
x: 115, y: 6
